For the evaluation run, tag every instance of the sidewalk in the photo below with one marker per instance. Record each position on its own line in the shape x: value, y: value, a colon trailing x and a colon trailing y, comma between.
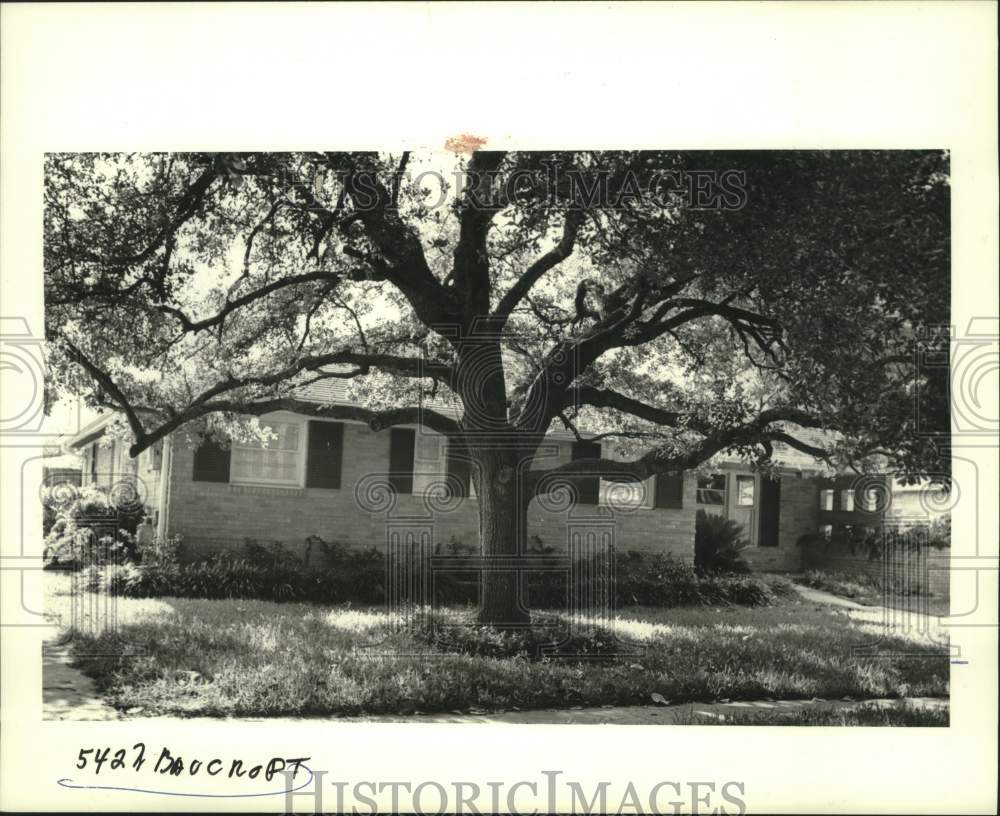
x: 822, y: 596
x: 67, y: 693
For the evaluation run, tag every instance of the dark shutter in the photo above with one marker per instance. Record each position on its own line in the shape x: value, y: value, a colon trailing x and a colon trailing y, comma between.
x: 458, y: 470
x: 770, y: 515
x: 401, y: 442
x: 669, y: 491
x: 588, y: 487
x: 326, y: 453
x: 211, y: 462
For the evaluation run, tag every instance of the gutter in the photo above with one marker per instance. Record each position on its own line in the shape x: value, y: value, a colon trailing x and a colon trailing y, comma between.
x: 166, y: 466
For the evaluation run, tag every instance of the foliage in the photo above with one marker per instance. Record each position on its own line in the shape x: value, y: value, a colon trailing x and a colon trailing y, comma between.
x: 159, y: 552
x: 358, y: 575
x: 717, y: 544
x: 937, y: 533
x: 807, y: 290
x: 873, y: 589
x: 790, y: 297
x: 261, y: 659
x: 89, y: 528
x: 547, y: 638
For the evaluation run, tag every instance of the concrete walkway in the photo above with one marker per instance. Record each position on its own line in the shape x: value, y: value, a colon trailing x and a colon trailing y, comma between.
x: 821, y: 596
x: 687, y: 713
x: 67, y: 693
x: 681, y: 714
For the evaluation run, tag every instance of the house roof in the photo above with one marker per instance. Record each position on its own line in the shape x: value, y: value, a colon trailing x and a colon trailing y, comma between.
x: 90, y: 432
x: 334, y: 391
x: 323, y: 391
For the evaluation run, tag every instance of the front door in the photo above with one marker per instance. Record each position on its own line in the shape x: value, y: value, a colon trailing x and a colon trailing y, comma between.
x: 742, y: 501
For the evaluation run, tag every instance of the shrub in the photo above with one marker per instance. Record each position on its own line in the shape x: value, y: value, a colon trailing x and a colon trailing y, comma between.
x: 159, y: 552
x: 547, y: 637
x: 89, y: 529
x: 936, y: 534
x: 656, y: 579
x: 717, y: 544
x: 346, y: 574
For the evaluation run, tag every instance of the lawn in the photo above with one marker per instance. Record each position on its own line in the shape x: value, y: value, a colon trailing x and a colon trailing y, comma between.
x: 867, y: 590
x: 867, y: 714
x: 256, y: 658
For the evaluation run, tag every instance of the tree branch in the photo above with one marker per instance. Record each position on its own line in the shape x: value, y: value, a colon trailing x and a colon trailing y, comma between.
x: 109, y: 385
x: 471, y: 270
x: 551, y: 259
x: 376, y: 420
x: 657, y: 461
x: 196, y: 326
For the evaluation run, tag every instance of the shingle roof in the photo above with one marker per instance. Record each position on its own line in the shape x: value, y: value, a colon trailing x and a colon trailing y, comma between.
x: 324, y: 391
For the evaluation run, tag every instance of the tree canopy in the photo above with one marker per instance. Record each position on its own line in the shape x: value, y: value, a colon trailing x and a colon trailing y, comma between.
x: 744, y: 296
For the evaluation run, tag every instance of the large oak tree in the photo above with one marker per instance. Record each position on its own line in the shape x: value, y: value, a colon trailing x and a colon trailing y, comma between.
x: 745, y: 296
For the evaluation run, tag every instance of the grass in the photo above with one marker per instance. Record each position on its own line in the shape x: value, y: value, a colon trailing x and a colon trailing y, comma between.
x: 257, y: 658
x: 868, y: 590
x: 867, y: 714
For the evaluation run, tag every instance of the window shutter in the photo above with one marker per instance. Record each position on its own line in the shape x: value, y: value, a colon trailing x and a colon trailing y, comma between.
x: 211, y: 462
x: 401, y: 447
x: 770, y: 511
x: 325, y: 456
x: 458, y: 469
x: 588, y: 487
x: 669, y: 491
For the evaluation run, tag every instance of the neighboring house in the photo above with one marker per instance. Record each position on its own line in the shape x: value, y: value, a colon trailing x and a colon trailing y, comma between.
x: 330, y: 479
x: 63, y: 469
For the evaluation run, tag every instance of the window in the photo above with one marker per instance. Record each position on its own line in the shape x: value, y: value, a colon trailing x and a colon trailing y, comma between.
x: 826, y: 500
x: 847, y: 500
x: 428, y: 464
x: 745, y: 491
x: 712, y: 489
x: 624, y: 495
x: 278, y: 463
x: 155, y: 453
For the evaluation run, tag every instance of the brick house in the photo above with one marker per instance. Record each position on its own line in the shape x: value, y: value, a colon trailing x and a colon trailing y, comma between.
x: 344, y: 482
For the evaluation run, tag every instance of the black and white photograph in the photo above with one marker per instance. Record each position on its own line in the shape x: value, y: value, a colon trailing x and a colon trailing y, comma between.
x: 556, y: 437
x: 635, y: 439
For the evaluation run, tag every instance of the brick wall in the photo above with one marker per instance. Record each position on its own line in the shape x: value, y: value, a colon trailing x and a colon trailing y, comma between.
x: 215, y: 516
x: 798, y: 515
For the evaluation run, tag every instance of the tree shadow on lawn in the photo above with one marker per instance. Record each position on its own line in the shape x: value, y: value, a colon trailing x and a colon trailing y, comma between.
x: 260, y: 659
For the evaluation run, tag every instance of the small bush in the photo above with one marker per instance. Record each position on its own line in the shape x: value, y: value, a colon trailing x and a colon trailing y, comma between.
x: 89, y: 530
x: 546, y: 638
x: 347, y: 574
x: 717, y: 544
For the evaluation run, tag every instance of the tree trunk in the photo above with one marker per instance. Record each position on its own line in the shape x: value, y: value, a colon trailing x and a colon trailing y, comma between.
x: 503, y: 522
